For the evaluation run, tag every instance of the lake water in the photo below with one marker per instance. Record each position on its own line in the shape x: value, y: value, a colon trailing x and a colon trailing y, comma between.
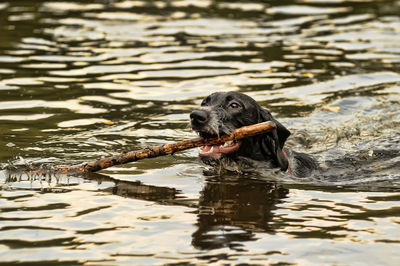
x: 84, y: 79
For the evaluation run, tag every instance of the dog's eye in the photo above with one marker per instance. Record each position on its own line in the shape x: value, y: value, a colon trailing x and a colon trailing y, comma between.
x: 205, y: 101
x: 234, y: 105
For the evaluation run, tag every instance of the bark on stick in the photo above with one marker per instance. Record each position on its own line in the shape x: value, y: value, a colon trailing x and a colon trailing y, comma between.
x: 166, y: 149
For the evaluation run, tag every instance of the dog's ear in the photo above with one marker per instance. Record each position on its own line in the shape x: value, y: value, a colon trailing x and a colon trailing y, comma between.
x: 272, y: 145
x: 270, y: 149
x: 282, y: 132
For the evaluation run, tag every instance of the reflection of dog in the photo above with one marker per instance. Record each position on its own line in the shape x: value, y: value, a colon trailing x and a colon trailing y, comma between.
x: 232, y: 212
x: 222, y: 112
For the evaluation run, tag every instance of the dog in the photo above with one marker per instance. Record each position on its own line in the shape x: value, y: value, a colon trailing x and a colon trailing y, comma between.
x: 222, y: 112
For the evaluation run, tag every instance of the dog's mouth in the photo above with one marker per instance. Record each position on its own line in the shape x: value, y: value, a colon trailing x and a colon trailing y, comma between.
x: 216, y: 151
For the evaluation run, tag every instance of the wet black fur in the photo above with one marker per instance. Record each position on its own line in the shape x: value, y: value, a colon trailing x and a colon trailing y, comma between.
x: 221, y: 112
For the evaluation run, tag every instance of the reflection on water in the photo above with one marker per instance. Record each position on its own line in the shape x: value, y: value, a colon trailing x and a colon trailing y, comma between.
x: 85, y: 79
x: 233, y: 211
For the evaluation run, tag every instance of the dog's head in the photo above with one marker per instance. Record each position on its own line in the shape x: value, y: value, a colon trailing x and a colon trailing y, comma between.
x: 222, y: 112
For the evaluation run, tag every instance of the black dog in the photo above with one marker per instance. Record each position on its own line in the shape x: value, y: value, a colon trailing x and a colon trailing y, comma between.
x: 222, y: 112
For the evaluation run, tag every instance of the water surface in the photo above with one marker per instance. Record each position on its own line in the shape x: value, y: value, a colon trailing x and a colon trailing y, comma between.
x: 84, y: 79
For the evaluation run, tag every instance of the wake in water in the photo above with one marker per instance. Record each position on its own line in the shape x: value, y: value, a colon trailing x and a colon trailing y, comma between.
x: 357, y: 145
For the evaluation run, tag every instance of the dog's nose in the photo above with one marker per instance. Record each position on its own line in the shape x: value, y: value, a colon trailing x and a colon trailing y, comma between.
x: 198, y: 117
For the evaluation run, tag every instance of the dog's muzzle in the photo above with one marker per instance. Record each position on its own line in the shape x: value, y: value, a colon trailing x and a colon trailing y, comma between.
x: 206, y: 124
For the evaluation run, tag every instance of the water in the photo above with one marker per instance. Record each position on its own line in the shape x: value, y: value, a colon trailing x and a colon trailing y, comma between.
x: 85, y: 79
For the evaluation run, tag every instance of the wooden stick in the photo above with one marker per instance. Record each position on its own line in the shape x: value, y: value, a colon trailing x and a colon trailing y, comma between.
x: 166, y: 149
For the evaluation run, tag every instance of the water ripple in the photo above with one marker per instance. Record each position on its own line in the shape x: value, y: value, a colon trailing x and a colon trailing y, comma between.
x: 84, y: 80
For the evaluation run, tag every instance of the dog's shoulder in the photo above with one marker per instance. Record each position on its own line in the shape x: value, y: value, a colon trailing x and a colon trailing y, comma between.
x: 301, y: 164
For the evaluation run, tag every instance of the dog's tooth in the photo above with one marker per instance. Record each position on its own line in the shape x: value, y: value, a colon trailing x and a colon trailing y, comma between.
x: 211, y: 150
